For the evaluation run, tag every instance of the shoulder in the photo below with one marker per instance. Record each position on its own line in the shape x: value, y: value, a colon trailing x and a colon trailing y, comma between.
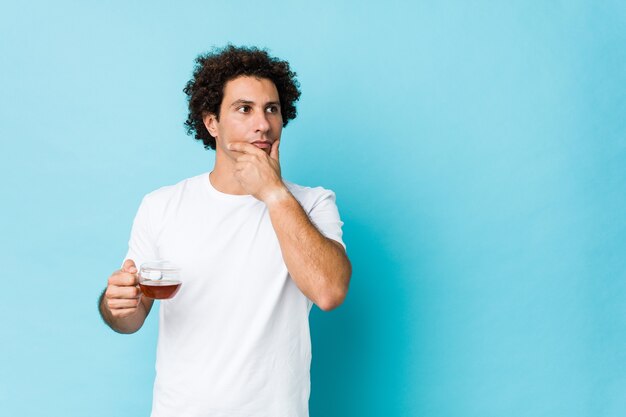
x: 164, y: 195
x: 309, y: 197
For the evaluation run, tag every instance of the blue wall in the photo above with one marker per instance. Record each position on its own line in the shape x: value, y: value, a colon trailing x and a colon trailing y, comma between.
x: 478, y: 152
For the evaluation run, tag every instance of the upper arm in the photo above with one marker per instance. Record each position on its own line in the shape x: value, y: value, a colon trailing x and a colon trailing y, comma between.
x: 339, y: 245
x: 142, y: 243
x: 325, y: 217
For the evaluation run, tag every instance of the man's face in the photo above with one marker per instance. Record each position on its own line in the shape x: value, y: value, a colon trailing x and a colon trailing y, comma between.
x: 250, y: 112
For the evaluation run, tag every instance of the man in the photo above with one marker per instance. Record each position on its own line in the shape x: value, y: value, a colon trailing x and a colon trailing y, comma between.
x: 256, y: 252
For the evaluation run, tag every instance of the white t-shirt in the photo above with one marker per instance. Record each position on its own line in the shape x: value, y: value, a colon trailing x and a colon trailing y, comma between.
x: 235, y: 340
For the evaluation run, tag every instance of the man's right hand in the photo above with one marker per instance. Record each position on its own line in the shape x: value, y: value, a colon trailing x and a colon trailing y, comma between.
x: 123, y: 295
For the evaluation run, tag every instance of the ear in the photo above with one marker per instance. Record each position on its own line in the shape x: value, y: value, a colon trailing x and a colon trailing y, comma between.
x: 210, y: 122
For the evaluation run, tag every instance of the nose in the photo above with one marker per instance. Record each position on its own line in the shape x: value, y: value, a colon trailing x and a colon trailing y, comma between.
x: 261, y: 124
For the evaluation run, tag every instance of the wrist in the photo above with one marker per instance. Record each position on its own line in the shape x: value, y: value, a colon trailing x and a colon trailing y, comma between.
x: 277, y: 195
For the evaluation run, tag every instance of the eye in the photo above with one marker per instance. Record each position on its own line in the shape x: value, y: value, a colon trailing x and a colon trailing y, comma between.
x: 243, y: 109
x: 272, y: 109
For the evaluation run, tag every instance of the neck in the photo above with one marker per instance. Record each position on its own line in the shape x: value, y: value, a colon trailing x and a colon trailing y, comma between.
x: 223, y: 176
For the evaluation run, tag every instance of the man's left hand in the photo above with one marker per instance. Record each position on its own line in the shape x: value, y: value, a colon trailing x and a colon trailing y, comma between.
x: 257, y: 172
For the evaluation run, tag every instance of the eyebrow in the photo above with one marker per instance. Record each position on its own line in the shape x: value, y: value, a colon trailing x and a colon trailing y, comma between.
x: 242, y: 101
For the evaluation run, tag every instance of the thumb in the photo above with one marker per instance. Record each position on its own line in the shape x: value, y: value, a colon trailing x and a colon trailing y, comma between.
x: 129, y: 266
x: 274, y: 150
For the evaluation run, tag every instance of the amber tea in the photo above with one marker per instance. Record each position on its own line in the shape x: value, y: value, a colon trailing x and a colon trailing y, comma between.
x: 159, y: 280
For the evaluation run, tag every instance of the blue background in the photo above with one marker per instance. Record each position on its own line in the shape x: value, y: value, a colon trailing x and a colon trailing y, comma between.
x: 478, y: 153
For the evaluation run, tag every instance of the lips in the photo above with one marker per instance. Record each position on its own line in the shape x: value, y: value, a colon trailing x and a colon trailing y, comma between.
x: 262, y: 144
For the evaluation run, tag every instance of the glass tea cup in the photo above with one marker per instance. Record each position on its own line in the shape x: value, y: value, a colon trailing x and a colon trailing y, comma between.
x: 159, y: 279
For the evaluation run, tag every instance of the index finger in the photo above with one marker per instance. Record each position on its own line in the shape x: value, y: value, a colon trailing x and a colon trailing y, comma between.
x: 244, y: 147
x: 129, y: 266
x: 123, y: 279
x: 274, y: 150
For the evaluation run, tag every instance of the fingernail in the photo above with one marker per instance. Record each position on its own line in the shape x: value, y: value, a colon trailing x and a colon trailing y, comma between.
x: 132, y: 270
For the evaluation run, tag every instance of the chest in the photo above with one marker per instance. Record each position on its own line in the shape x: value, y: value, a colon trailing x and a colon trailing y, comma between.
x: 222, y: 248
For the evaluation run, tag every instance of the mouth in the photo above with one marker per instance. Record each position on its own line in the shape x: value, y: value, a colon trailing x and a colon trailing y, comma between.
x: 262, y: 144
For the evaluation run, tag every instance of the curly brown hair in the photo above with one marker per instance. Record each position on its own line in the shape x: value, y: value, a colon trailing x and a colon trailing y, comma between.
x: 214, y: 69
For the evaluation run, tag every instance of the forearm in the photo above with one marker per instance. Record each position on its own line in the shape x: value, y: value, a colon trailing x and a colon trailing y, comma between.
x: 318, y: 265
x: 125, y: 325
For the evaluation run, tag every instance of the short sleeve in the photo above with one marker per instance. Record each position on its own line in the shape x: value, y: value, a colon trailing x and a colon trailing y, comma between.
x: 142, y: 245
x: 325, y: 216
